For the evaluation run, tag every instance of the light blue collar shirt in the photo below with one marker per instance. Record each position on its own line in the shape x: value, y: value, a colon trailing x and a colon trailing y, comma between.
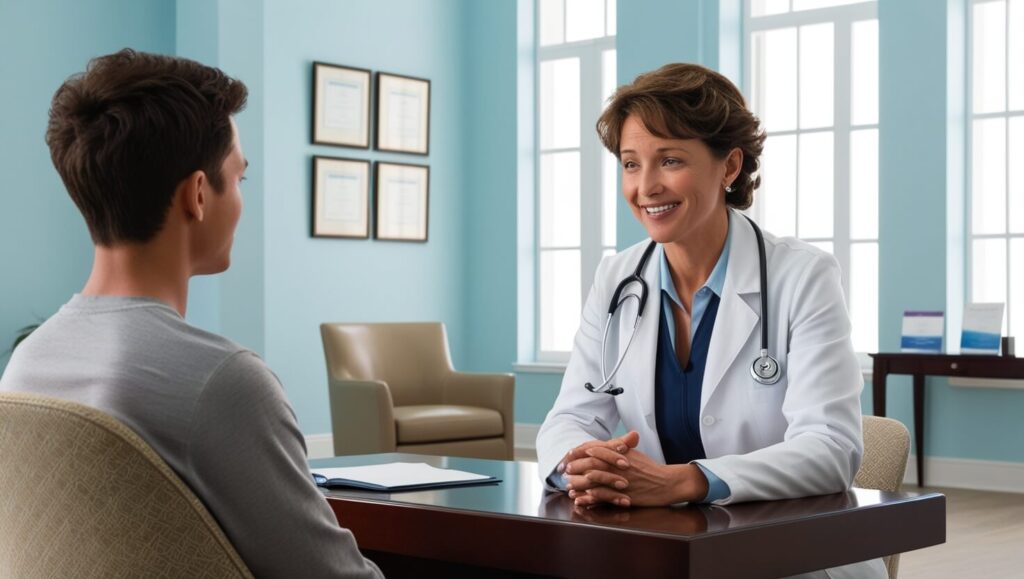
x: 717, y: 488
x: 714, y: 284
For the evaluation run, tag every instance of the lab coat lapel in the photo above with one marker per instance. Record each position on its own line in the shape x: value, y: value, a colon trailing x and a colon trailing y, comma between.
x: 637, y: 372
x: 735, y: 320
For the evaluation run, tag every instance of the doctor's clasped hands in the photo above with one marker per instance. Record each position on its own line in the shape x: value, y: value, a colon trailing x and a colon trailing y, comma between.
x: 616, y: 472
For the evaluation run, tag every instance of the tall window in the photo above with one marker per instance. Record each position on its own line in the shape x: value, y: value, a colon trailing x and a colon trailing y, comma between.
x: 996, y: 221
x: 812, y: 78
x: 576, y: 189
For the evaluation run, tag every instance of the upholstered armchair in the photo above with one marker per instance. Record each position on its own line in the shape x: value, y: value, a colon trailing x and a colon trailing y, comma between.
x: 81, y: 495
x: 886, y: 448
x: 392, y: 388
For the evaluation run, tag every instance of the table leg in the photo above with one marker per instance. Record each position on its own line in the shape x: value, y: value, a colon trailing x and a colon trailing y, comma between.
x: 878, y: 389
x: 919, y: 426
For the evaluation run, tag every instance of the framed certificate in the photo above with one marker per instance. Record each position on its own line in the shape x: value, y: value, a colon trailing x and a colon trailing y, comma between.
x: 403, y: 114
x: 341, y: 194
x: 401, y: 201
x: 341, y: 106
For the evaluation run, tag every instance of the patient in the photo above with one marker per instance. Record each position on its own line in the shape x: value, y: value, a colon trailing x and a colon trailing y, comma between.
x: 149, y: 152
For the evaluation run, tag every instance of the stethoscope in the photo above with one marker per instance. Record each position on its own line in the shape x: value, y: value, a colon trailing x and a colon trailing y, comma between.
x: 765, y: 368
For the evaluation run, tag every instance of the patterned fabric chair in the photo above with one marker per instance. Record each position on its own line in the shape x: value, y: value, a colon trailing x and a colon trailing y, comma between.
x: 886, y: 448
x: 81, y: 495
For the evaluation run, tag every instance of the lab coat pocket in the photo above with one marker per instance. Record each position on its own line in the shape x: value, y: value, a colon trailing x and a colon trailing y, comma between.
x: 770, y: 394
x: 766, y: 406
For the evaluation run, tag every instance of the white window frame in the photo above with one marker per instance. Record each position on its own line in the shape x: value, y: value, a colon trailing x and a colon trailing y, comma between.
x: 972, y: 116
x: 843, y: 18
x: 590, y: 53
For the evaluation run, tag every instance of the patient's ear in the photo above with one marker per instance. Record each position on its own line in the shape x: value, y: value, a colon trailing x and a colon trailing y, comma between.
x: 191, y: 193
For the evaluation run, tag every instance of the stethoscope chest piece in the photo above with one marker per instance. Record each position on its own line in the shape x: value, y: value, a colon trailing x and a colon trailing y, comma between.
x: 765, y: 369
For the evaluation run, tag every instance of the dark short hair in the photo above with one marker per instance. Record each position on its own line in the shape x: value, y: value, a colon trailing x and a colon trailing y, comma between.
x: 688, y: 101
x: 128, y: 130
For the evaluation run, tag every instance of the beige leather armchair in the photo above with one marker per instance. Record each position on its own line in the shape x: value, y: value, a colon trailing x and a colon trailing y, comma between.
x: 81, y: 495
x: 393, y: 389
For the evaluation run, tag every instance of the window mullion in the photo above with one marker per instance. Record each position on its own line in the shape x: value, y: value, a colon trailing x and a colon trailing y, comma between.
x: 842, y: 111
x: 1006, y: 164
x: 798, y: 133
x: 590, y: 169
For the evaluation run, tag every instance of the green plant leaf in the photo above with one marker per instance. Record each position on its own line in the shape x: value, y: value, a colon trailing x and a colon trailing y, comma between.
x: 21, y: 334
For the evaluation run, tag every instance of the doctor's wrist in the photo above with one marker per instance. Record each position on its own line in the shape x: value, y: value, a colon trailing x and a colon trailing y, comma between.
x: 691, y: 484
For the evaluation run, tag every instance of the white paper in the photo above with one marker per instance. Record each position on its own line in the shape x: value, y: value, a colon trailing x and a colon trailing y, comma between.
x: 403, y: 214
x: 404, y: 119
x: 397, y: 474
x: 343, y: 107
x: 405, y: 208
x: 343, y: 199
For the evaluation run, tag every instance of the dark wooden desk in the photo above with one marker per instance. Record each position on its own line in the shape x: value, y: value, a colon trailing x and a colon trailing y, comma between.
x: 514, y: 529
x: 921, y: 365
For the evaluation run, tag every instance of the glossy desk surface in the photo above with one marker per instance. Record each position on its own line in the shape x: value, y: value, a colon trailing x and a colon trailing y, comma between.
x: 516, y: 526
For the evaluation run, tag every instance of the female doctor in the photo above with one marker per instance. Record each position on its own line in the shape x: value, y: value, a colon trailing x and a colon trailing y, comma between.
x: 726, y: 353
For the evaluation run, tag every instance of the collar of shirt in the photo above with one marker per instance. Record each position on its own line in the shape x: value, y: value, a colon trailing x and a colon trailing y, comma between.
x: 714, y: 283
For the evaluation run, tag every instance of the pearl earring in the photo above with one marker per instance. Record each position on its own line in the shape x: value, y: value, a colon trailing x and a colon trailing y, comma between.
x: 728, y: 189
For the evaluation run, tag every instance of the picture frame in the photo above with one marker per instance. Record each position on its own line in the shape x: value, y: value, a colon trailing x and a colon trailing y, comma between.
x: 341, y: 106
x: 403, y: 114
x: 401, y: 201
x: 341, y: 198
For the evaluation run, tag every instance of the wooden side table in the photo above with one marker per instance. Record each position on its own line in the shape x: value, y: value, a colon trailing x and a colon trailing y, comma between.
x: 921, y: 365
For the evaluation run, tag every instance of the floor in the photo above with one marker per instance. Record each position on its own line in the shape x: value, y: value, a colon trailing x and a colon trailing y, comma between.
x: 984, y: 536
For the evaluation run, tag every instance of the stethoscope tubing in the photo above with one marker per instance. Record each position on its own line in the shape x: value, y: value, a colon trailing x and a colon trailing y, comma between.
x: 765, y: 368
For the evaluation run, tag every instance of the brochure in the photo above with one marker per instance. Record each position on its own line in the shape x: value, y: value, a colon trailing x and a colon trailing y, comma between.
x: 983, y: 324
x: 922, y: 332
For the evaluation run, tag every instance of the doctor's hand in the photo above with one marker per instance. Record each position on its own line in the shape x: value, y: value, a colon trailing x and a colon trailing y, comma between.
x: 579, y: 458
x: 642, y: 482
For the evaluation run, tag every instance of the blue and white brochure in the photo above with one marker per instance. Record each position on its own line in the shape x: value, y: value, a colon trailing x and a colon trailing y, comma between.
x: 983, y: 324
x: 922, y: 332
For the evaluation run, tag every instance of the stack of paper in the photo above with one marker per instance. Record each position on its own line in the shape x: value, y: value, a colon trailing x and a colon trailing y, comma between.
x: 397, y: 476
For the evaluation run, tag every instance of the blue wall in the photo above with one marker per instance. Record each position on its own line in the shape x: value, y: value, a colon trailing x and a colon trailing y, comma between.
x: 309, y: 281
x: 282, y: 283
x: 45, y: 251
x: 919, y: 43
x: 921, y: 187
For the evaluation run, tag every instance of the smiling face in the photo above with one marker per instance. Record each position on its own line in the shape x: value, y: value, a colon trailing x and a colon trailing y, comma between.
x: 675, y: 187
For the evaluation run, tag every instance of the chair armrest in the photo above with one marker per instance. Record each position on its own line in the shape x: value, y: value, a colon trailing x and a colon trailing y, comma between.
x: 362, y: 417
x: 494, y: 391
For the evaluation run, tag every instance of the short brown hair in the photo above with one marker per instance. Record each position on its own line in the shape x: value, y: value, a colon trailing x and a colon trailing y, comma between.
x: 688, y: 101
x: 128, y: 130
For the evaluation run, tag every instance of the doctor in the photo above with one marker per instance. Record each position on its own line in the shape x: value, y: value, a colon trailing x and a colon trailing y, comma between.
x: 705, y: 426
x: 728, y: 358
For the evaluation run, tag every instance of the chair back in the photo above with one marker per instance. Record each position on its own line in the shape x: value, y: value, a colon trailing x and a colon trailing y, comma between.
x: 412, y: 358
x: 81, y: 495
x: 886, y: 449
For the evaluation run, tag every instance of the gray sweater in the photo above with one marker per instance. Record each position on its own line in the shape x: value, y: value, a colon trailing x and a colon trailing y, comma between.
x: 215, y: 413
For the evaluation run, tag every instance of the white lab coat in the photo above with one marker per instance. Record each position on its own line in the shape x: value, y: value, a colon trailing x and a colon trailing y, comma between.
x: 798, y: 437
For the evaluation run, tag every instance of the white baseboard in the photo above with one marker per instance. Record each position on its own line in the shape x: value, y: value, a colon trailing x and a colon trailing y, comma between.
x: 526, y: 436
x: 966, y: 473
x: 320, y: 445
